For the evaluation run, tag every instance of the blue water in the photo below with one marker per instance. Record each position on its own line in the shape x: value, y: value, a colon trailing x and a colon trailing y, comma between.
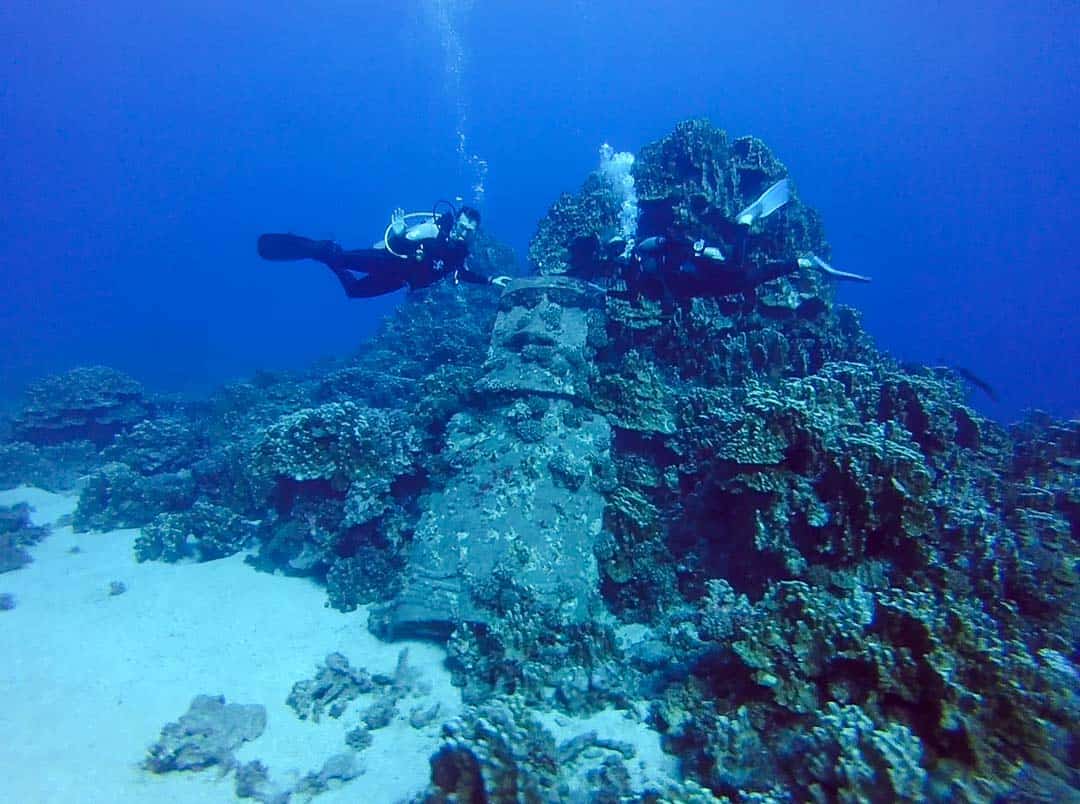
x: 144, y: 146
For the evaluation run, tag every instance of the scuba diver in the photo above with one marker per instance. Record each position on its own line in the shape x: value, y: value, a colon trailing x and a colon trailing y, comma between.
x: 688, y: 268
x: 435, y: 246
x: 673, y: 266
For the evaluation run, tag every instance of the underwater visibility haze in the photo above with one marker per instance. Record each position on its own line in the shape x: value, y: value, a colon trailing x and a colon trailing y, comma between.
x: 698, y: 423
x: 144, y: 148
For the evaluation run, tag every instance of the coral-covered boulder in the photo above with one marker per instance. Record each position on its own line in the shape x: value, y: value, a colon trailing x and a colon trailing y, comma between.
x: 115, y: 496
x: 91, y: 404
x: 337, y: 442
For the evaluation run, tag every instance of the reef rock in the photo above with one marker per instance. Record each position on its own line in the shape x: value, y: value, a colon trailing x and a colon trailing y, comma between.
x: 207, y: 734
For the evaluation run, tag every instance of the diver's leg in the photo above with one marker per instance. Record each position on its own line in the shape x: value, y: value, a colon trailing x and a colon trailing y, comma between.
x: 719, y: 283
x: 365, y: 287
x: 768, y: 271
x: 729, y: 281
x: 288, y: 247
x: 370, y: 261
x: 385, y: 272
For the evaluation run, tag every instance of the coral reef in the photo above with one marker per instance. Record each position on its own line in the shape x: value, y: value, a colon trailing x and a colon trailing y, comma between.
x: 498, y: 752
x: 819, y: 574
x: 85, y: 404
x: 204, y: 532
x: 849, y: 536
x: 116, y: 496
x: 54, y: 468
x: 353, y: 451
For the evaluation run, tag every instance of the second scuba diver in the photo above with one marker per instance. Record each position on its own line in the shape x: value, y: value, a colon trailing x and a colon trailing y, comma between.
x: 673, y: 266
x: 694, y: 269
x: 434, y: 247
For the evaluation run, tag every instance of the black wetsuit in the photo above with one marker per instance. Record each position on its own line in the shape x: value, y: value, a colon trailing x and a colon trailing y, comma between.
x: 426, y: 262
x: 673, y: 264
x: 423, y: 262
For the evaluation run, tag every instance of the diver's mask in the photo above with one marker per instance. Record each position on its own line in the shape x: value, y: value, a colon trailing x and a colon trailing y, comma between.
x: 463, y: 229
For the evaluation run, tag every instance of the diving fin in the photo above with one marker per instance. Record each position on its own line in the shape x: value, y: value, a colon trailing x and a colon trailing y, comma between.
x: 977, y: 381
x: 766, y: 204
x: 286, y: 247
x: 828, y: 270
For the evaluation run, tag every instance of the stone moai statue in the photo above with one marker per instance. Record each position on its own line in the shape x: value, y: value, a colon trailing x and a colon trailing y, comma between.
x: 529, y: 461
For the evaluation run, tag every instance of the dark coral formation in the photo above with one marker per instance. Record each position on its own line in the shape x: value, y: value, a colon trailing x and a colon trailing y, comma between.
x: 66, y: 422
x: 16, y: 534
x: 823, y: 575
x: 499, y: 751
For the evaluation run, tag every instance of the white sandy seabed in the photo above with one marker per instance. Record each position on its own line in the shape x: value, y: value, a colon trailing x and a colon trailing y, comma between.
x: 88, y: 679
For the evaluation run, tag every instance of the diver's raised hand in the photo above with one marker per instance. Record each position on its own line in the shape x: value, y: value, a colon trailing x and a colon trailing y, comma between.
x: 397, y: 221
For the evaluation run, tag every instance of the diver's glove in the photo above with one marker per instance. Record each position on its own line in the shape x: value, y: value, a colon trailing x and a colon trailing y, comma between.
x: 499, y: 281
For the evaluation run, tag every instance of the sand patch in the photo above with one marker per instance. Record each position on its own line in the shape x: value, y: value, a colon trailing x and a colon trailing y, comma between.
x: 89, y: 678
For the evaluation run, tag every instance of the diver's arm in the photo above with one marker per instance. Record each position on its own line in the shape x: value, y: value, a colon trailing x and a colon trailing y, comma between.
x: 465, y: 274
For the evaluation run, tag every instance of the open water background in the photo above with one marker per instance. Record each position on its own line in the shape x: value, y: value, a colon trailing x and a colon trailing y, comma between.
x: 143, y: 146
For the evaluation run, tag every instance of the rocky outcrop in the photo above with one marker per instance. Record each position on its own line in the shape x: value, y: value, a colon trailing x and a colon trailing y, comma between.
x: 207, y: 734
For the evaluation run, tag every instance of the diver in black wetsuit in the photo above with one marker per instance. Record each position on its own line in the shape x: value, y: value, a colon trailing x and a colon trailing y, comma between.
x: 416, y: 256
x: 685, y: 268
x: 673, y: 266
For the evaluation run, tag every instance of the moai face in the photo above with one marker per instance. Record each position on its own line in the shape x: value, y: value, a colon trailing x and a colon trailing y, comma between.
x: 540, y: 340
